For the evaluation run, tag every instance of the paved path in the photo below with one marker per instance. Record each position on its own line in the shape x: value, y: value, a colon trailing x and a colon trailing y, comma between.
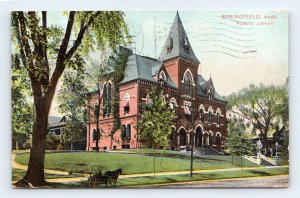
x: 75, y: 179
x: 24, y: 167
x: 279, y: 181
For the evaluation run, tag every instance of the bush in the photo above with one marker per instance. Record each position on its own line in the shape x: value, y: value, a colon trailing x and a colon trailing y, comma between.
x: 52, y: 142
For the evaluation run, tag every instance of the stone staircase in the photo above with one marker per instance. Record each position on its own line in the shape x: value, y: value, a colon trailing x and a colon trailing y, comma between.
x: 206, y: 151
x: 263, y: 160
x: 267, y: 161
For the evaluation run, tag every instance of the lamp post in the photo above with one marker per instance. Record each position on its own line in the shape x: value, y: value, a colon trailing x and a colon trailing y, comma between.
x: 192, y: 152
x: 276, y: 157
x: 192, y: 141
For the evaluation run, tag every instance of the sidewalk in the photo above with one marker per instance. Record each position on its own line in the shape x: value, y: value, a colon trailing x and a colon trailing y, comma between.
x: 75, y: 179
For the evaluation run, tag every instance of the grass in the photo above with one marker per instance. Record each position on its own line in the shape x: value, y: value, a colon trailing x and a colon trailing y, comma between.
x: 144, y: 181
x: 201, y: 177
x: 18, y: 174
x: 137, y: 161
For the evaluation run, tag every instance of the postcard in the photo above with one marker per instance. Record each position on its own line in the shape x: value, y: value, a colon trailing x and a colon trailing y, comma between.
x: 150, y: 99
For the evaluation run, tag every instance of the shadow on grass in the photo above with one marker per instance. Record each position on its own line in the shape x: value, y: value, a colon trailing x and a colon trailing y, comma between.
x: 261, y: 173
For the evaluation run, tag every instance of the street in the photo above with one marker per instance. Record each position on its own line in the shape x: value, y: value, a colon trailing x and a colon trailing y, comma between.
x: 254, y: 182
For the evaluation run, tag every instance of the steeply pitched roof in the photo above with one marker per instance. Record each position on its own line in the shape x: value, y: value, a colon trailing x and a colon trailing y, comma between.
x: 142, y: 67
x: 177, y: 43
x: 203, y: 86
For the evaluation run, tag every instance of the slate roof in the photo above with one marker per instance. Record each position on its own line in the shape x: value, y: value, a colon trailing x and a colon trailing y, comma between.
x: 143, y: 67
x: 177, y: 40
x: 202, y: 83
x: 54, y: 121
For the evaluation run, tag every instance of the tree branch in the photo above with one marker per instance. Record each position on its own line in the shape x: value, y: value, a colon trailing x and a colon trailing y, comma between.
x: 60, y: 62
x: 66, y: 39
x: 80, y: 35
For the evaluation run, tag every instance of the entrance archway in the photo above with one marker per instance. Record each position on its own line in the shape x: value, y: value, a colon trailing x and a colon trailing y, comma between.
x: 182, y: 137
x: 218, y: 140
x: 199, y: 137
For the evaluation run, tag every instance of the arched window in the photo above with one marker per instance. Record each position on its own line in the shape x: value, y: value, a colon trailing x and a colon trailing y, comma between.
x: 188, y: 82
x: 210, y: 117
x: 162, y: 76
x: 172, y: 103
x: 218, y: 116
x: 107, y: 100
x: 218, y: 139
x: 126, y: 100
x: 96, y: 110
x: 182, y: 134
x: 201, y: 112
x: 210, y: 111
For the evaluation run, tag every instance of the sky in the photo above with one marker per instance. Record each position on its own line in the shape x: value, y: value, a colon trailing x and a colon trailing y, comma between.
x: 235, y: 52
x: 235, y: 48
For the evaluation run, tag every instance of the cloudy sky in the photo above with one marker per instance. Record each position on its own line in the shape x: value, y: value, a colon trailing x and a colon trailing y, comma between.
x: 235, y: 48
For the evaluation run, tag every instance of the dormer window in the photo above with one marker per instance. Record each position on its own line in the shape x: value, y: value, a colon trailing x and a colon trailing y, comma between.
x: 172, y: 103
x: 210, y: 95
x: 186, y: 45
x: 169, y: 45
x: 162, y: 76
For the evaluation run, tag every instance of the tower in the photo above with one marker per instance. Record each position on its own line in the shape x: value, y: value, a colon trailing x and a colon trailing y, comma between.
x: 179, y: 59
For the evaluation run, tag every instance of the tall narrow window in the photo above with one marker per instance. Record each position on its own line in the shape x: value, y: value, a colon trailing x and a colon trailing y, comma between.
x: 218, y: 118
x: 107, y: 100
x: 123, y: 130
x: 210, y: 117
x: 126, y: 106
x: 128, y: 131
x: 95, y: 135
x: 187, y: 80
x: 201, y: 115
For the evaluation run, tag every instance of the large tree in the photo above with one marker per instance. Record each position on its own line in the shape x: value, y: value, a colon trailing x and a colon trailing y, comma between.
x: 237, y: 142
x: 46, y: 50
x: 155, y: 122
x: 260, y: 107
x: 72, y: 102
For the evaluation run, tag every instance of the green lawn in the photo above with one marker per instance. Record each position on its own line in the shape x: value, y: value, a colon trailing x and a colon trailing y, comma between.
x: 150, y: 180
x: 138, y: 161
x: 200, y: 177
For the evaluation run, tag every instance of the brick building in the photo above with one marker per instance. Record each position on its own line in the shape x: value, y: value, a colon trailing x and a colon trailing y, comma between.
x: 200, y: 110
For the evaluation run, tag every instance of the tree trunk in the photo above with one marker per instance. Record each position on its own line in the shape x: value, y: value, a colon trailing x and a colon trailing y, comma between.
x: 42, y: 104
x: 266, y: 143
x: 35, y: 172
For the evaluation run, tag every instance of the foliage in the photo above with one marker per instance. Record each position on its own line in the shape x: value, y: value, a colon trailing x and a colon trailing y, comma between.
x: 259, y: 107
x: 102, y: 72
x: 72, y: 100
x: 22, y: 106
x: 285, y: 147
x: 46, y: 51
x: 238, y: 143
x: 52, y: 142
x: 155, y: 123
